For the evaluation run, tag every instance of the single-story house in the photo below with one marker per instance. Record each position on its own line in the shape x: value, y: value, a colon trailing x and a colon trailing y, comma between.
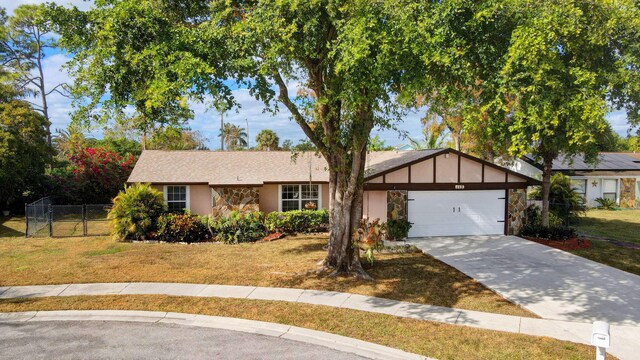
x: 615, y: 176
x: 441, y: 191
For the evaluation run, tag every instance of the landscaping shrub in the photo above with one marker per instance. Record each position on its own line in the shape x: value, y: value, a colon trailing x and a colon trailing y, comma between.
x: 239, y: 227
x: 564, y: 201
x: 397, y: 229
x: 606, y: 204
x: 534, y: 217
x: 135, y: 212
x: 298, y: 221
x: 557, y: 233
x: 187, y: 228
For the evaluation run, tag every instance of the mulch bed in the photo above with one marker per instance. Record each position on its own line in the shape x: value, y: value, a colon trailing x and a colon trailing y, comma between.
x: 273, y: 236
x: 571, y: 244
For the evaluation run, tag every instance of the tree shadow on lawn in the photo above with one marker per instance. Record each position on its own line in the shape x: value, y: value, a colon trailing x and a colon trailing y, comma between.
x: 8, y: 227
x: 412, y: 277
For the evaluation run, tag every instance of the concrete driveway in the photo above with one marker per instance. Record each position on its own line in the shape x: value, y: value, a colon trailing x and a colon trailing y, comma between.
x: 127, y: 340
x: 551, y: 283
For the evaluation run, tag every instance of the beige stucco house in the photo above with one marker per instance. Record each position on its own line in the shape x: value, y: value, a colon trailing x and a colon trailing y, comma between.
x: 441, y: 191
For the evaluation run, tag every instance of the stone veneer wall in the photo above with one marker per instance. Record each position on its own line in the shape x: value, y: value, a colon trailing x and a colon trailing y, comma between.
x: 517, y: 211
x: 228, y: 199
x: 628, y: 194
x: 397, y: 200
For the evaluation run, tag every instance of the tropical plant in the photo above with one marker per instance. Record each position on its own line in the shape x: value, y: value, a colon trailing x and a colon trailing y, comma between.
x: 135, y: 212
x: 234, y: 136
x: 435, y: 134
x: 564, y: 200
x: 534, y: 217
x: 368, y: 237
x: 267, y: 140
x: 396, y: 229
x: 238, y: 227
x: 606, y: 204
x: 186, y: 227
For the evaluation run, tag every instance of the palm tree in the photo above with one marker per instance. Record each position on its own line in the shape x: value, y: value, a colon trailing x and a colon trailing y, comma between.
x: 65, y: 141
x: 234, y: 136
x: 435, y: 134
x: 267, y: 140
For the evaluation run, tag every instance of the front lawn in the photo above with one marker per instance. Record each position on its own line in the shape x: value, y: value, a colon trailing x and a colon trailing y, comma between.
x: 615, y: 256
x: 622, y: 225
x: 290, y: 262
x: 442, y: 341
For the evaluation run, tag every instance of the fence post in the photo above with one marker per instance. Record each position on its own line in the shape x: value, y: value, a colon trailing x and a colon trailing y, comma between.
x: 84, y: 219
x: 50, y: 220
x: 26, y: 216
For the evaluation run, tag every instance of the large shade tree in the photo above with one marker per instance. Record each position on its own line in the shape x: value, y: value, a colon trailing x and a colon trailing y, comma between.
x: 568, y: 62
x: 532, y: 79
x: 350, y: 56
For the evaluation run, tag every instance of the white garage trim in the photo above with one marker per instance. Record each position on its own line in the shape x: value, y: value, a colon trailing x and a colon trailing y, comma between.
x: 451, y: 213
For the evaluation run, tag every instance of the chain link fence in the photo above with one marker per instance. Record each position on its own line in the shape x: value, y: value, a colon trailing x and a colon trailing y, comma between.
x: 44, y: 218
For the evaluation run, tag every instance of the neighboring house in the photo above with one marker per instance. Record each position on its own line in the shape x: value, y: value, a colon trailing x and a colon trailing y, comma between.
x: 442, y: 191
x: 615, y: 176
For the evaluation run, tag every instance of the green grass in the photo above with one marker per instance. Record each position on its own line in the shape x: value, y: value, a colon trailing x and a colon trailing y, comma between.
x: 615, y: 256
x: 442, y: 341
x: 622, y: 225
x: 289, y: 262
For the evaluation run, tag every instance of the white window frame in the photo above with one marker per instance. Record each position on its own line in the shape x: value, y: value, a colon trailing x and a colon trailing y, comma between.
x: 586, y: 185
x: 187, y: 194
x: 300, y: 199
x: 617, y: 193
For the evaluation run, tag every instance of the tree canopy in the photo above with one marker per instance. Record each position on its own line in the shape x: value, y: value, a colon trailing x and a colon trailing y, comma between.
x: 267, y: 140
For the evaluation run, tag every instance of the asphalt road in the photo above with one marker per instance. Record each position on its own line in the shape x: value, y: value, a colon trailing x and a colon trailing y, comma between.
x: 124, y: 340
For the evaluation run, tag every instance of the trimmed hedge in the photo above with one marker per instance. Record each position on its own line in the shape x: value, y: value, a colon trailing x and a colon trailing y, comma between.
x: 298, y: 221
x: 187, y: 228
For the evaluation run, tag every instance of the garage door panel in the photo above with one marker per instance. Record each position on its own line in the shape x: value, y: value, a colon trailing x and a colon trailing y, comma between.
x: 449, y: 213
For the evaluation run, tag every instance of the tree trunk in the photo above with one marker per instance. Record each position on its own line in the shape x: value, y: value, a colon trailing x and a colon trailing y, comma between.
x: 546, y: 188
x: 345, y: 201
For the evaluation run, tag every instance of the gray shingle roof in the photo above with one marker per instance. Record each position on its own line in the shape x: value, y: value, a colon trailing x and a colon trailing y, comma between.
x: 606, y: 162
x: 251, y: 167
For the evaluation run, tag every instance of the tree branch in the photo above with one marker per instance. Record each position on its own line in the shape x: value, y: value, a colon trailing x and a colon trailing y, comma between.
x: 283, y: 97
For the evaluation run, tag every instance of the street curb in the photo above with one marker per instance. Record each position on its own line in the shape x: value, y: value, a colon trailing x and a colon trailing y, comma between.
x: 332, y: 341
x: 624, y: 337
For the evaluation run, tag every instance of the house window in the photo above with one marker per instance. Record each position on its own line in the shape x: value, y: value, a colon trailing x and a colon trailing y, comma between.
x: 610, y: 189
x: 580, y: 186
x: 295, y: 196
x: 176, y: 197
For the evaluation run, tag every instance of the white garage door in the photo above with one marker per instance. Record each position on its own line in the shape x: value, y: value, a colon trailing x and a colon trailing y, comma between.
x: 449, y: 213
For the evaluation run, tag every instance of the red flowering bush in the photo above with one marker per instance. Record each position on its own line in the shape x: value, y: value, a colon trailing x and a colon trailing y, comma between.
x: 92, y: 176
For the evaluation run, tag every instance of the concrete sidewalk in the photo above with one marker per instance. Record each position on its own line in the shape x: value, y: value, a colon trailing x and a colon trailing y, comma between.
x: 162, y: 335
x: 624, y: 338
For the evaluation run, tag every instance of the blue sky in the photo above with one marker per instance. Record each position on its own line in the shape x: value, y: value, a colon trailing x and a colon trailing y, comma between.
x: 208, y: 122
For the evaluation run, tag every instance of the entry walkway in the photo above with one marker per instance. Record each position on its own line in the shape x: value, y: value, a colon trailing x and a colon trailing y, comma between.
x: 624, y: 338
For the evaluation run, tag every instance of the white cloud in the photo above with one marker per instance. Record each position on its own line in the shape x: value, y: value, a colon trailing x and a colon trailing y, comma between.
x: 11, y: 5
